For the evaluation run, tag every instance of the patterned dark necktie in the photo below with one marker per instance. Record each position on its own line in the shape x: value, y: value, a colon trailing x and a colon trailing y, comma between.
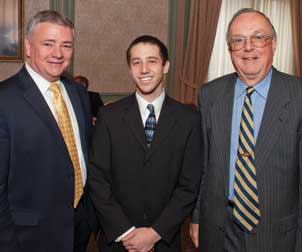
x: 150, y: 124
x: 246, y: 200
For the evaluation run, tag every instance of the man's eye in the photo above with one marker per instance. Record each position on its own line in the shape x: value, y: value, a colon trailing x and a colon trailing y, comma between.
x: 67, y: 46
x: 237, y: 40
x: 258, y: 37
x: 47, y: 44
x: 135, y: 62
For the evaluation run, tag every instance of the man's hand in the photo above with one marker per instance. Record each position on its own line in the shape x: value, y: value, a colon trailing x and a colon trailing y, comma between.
x: 141, y: 240
x: 194, y: 233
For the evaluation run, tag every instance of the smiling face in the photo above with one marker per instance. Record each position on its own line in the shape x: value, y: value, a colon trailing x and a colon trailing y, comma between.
x: 147, y: 70
x: 49, y: 50
x: 251, y: 63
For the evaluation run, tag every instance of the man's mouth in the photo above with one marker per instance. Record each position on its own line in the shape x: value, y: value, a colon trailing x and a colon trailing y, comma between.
x: 250, y: 58
x: 145, y: 78
x: 55, y: 63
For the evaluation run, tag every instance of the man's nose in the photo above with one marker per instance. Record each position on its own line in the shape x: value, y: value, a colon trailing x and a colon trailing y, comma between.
x: 57, y: 52
x: 144, y: 67
x: 248, y: 45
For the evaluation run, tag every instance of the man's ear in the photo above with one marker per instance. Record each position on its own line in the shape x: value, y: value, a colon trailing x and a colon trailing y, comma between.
x: 274, y: 45
x: 27, y: 48
x: 129, y: 70
x: 166, y: 67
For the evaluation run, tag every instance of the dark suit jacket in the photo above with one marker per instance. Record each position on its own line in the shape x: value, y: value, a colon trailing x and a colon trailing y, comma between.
x: 36, y: 173
x: 278, y: 157
x: 133, y: 185
x: 95, y: 102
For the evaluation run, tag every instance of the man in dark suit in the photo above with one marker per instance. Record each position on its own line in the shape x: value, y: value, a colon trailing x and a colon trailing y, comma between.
x: 44, y: 132
x: 94, y: 98
x: 145, y: 163
x: 251, y: 190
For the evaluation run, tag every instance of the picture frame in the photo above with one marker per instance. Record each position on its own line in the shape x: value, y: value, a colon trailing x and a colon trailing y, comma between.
x: 11, y: 30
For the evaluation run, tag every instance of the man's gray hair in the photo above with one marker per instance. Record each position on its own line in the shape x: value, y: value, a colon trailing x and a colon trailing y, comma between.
x: 49, y: 16
x: 250, y: 10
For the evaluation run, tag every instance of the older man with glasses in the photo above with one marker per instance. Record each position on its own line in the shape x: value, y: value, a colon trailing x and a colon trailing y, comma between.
x: 251, y: 189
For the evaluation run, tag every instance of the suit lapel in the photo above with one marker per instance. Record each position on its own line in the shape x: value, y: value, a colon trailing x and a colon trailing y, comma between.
x: 275, y: 113
x: 165, y: 123
x: 38, y: 104
x: 133, y: 120
x: 221, y: 123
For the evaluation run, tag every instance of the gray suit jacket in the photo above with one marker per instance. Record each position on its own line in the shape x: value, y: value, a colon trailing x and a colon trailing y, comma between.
x: 278, y: 154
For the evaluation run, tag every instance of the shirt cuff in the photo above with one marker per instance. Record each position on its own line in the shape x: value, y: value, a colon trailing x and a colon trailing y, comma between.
x: 118, y: 239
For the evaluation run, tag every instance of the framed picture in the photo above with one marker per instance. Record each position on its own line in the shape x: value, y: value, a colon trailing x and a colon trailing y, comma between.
x: 11, y: 30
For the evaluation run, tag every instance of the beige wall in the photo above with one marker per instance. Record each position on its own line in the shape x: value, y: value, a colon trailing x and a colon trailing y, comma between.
x: 30, y: 8
x: 104, y: 31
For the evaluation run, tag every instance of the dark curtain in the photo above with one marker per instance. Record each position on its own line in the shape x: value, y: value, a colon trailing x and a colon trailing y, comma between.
x: 296, y: 12
x: 192, y: 61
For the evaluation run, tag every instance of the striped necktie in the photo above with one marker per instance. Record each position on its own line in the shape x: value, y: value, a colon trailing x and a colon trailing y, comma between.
x: 150, y: 124
x: 64, y: 123
x: 246, y: 201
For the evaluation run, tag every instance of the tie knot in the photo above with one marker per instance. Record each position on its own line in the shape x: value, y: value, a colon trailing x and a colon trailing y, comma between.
x: 54, y: 87
x: 150, y: 107
x: 250, y: 91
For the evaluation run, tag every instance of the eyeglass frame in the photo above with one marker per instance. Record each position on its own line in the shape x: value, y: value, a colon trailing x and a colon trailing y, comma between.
x: 251, y: 41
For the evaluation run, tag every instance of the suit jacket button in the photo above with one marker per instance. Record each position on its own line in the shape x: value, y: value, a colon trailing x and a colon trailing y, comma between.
x: 221, y: 229
x: 145, y: 216
x: 226, y: 202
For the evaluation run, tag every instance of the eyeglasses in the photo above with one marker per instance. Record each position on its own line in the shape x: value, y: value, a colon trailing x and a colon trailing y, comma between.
x: 237, y: 43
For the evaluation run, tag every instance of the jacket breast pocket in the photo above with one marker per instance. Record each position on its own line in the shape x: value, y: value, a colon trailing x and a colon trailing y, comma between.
x: 288, y: 223
x: 25, y: 218
x: 286, y: 238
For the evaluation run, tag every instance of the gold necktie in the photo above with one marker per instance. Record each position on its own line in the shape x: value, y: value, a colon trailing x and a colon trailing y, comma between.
x: 64, y: 123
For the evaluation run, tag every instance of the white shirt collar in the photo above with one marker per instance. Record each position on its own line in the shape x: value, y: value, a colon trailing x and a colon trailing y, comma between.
x: 157, y: 103
x: 40, y: 81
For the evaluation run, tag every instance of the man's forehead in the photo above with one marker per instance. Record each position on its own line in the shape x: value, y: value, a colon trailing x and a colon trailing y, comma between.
x: 146, y: 45
x: 145, y: 49
x: 250, y: 20
x: 50, y: 30
x: 47, y: 26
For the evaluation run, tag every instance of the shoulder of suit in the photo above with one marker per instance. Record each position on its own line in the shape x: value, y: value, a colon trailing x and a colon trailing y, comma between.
x: 215, y: 89
x: 221, y: 81
x: 73, y: 83
x: 10, y: 80
x: 183, y: 111
x: 289, y: 82
x: 291, y: 79
x: 8, y: 86
x: 119, y: 105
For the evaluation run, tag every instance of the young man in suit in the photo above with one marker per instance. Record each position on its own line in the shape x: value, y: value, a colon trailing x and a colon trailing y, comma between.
x: 251, y: 191
x: 145, y: 163
x: 44, y: 132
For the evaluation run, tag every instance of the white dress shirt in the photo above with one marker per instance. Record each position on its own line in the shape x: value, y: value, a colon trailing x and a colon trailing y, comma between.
x: 142, y: 104
x: 43, y: 86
